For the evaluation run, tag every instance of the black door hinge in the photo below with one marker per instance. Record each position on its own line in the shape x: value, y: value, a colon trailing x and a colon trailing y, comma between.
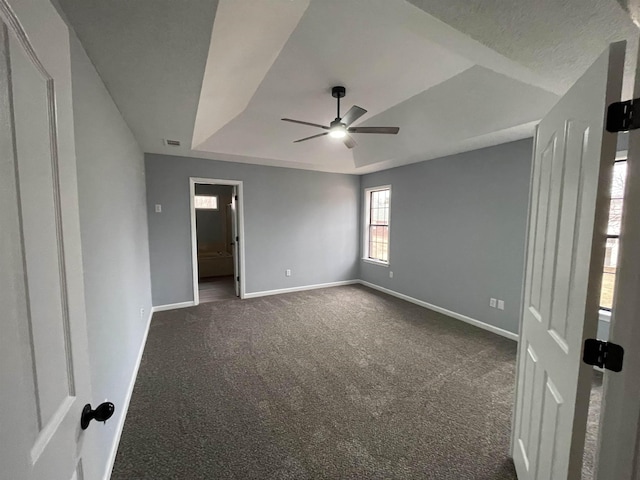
x: 623, y: 116
x: 237, y: 239
x: 603, y: 354
x: 236, y: 198
x: 238, y: 278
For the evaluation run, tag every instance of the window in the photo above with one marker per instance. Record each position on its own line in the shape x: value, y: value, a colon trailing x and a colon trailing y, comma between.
x: 377, y: 208
x: 613, y: 234
x: 206, y: 202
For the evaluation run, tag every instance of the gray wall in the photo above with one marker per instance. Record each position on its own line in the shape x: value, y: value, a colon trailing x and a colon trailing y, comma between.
x: 212, y: 225
x: 113, y: 222
x: 458, y: 229
x: 302, y: 220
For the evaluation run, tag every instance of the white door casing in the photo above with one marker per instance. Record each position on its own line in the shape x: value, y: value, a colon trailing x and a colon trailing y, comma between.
x: 572, y: 166
x: 619, y: 437
x: 237, y: 225
x: 236, y: 239
x: 44, y: 366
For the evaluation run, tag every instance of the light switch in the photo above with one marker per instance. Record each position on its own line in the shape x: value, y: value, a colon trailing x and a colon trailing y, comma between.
x: 158, y: 208
x: 500, y: 304
x: 492, y: 302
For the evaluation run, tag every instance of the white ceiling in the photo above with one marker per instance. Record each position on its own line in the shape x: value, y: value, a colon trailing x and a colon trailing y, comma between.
x: 467, y: 74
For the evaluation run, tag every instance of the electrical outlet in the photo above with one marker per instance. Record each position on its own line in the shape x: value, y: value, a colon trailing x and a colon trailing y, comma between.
x: 287, y: 272
x: 390, y: 274
x: 500, y: 304
x: 492, y: 303
x: 158, y: 208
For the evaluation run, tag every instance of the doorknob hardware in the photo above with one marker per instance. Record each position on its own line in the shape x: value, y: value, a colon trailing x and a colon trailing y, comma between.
x: 102, y: 413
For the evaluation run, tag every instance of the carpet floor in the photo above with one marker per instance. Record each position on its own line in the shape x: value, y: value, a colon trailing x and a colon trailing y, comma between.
x: 343, y: 382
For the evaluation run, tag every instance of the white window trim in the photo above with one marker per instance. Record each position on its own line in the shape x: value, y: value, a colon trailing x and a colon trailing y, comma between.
x: 604, y: 315
x: 375, y: 262
x: 365, y: 223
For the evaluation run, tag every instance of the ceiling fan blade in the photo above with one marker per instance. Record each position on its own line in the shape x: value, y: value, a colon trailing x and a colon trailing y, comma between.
x: 352, y: 115
x: 390, y: 130
x: 304, y: 123
x: 349, y: 141
x: 313, y: 136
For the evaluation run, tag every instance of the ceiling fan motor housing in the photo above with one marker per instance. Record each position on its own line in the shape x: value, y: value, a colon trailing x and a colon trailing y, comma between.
x: 338, y: 92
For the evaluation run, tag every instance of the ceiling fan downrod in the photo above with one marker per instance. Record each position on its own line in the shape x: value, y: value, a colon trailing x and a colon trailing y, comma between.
x: 338, y: 93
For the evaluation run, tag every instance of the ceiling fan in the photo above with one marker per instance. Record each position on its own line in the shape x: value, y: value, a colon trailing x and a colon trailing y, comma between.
x: 340, y: 127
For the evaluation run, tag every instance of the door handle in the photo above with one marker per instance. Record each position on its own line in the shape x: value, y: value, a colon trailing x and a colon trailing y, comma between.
x: 102, y: 413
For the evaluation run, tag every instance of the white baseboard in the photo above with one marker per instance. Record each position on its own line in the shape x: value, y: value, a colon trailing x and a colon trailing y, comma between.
x: 300, y: 289
x: 172, y: 306
x: 435, y: 308
x: 127, y: 400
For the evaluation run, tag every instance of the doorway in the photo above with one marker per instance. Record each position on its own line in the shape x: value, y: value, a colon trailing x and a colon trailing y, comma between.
x: 217, y: 239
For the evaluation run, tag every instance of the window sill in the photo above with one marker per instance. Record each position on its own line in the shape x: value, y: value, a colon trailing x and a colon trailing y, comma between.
x: 604, y: 316
x: 376, y: 262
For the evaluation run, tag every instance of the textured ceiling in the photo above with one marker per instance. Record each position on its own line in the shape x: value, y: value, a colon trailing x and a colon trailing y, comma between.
x: 558, y: 39
x: 452, y: 75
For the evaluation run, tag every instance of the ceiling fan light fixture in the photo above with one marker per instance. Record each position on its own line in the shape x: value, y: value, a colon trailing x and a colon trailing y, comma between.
x: 338, y: 132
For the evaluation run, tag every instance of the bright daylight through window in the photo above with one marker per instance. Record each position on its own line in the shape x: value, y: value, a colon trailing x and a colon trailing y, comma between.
x: 378, y: 202
x: 206, y: 202
x: 613, y: 234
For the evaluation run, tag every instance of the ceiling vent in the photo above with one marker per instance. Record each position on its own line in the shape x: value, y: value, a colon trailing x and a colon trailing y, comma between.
x: 172, y: 143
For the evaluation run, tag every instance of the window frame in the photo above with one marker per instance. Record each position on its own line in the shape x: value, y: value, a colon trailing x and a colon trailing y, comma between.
x: 366, y: 216
x: 196, y: 195
x: 606, y: 310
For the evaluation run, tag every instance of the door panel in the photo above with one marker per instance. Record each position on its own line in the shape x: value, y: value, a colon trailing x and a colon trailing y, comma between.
x: 45, y: 377
x: 40, y: 207
x: 572, y: 163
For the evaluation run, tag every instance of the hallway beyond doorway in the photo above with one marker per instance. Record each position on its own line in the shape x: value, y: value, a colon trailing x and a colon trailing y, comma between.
x: 212, y: 289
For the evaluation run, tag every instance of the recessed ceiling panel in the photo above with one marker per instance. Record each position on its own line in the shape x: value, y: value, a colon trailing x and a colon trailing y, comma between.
x: 473, y: 104
x: 247, y: 37
x: 361, y: 44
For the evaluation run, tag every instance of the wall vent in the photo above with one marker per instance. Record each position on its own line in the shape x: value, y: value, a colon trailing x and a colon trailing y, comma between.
x: 172, y: 143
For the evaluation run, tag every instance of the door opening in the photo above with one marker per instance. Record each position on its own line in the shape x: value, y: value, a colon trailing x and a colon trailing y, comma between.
x: 216, y: 239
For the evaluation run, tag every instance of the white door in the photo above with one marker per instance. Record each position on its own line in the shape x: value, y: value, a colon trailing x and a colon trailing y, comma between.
x: 572, y: 165
x: 43, y: 345
x: 236, y: 239
x: 620, y: 418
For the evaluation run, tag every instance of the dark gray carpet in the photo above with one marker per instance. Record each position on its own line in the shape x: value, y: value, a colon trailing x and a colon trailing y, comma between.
x: 336, y: 383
